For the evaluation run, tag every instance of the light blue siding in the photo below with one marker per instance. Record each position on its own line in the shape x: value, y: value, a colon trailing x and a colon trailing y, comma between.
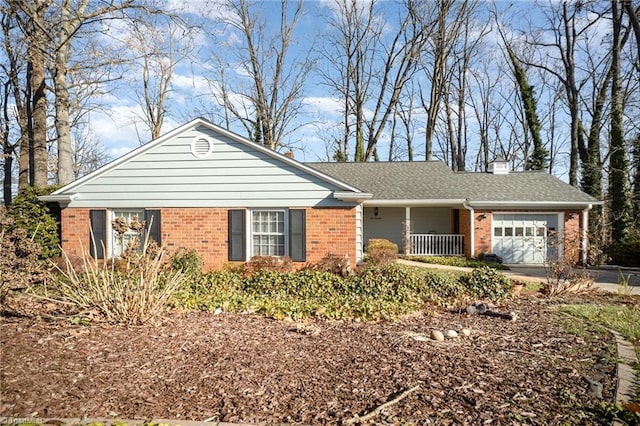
x: 233, y: 175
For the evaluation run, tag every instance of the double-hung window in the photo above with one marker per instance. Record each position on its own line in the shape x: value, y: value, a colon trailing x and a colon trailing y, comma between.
x: 121, y: 233
x: 268, y: 233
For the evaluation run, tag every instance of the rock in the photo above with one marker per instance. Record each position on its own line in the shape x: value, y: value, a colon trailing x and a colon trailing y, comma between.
x: 450, y: 334
x: 471, y: 310
x: 437, y: 335
x: 218, y: 311
x: 420, y: 337
x: 595, y: 388
x: 512, y: 316
x: 465, y: 332
x: 481, y: 308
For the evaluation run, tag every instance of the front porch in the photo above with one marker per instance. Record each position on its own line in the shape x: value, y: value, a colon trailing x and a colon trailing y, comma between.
x: 420, y: 231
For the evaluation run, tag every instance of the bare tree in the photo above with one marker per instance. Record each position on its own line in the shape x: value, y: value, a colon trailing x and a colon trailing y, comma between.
x: 369, y: 67
x: 265, y: 93
x: 159, y: 45
x: 449, y: 24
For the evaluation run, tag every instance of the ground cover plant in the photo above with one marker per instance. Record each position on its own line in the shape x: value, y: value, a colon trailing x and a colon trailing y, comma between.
x: 456, y: 261
x: 349, y: 343
x: 375, y: 292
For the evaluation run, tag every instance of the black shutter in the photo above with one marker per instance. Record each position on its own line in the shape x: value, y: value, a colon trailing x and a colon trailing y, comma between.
x: 98, y: 235
x: 297, y: 235
x: 237, y: 249
x: 152, y: 220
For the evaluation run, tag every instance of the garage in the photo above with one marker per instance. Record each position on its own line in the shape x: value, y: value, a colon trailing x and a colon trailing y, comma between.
x: 524, y: 237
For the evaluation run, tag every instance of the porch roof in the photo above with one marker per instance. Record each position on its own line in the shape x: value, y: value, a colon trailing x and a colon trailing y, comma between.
x: 434, y: 180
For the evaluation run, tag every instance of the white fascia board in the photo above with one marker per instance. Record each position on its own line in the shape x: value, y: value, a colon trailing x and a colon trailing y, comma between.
x: 63, y: 199
x: 353, y: 197
x: 534, y: 204
x: 415, y: 203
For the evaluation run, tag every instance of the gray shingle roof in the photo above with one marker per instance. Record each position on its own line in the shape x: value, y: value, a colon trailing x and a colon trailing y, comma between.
x: 433, y: 180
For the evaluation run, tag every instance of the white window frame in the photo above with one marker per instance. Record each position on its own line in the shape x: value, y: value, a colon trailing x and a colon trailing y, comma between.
x: 249, y: 227
x: 111, y: 234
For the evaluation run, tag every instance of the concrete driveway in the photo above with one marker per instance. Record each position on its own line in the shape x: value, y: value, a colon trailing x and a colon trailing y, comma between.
x: 606, y: 278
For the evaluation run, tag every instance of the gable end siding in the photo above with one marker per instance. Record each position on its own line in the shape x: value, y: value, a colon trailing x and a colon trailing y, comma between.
x: 233, y: 175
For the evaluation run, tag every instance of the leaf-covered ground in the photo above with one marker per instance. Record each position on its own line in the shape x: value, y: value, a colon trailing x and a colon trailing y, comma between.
x: 248, y: 368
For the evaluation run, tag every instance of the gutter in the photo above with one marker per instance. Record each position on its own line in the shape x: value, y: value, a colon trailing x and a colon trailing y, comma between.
x: 542, y: 204
x: 352, y: 197
x: 58, y: 198
x: 415, y: 203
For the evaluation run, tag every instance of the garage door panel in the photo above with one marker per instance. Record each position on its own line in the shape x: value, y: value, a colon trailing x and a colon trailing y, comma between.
x: 522, y: 238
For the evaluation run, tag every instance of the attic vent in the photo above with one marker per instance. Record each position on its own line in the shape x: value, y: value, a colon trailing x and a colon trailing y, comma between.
x: 201, y: 147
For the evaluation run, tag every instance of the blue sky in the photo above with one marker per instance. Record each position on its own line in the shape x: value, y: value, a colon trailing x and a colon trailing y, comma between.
x: 318, y: 121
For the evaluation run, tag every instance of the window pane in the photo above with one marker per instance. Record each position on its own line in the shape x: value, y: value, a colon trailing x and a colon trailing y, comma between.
x: 508, y: 232
x: 519, y: 231
x: 268, y: 233
x: 529, y: 231
x: 497, y: 232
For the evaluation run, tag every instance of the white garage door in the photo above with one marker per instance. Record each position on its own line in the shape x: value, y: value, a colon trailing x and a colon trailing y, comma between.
x: 524, y: 238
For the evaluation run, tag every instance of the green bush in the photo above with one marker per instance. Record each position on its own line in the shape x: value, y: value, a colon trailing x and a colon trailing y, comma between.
x: 187, y: 261
x: 456, y: 261
x: 440, y: 286
x: 37, y: 219
x: 380, y: 251
x: 627, y: 251
x: 486, y: 282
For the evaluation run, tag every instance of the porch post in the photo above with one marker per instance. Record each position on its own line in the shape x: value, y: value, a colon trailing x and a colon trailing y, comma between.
x: 407, y: 231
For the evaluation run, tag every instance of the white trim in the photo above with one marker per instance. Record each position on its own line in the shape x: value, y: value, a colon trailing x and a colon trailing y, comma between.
x: 355, y: 197
x: 472, y: 234
x: 201, y: 122
x: 415, y: 203
x: 532, y: 204
x: 63, y: 199
x: 110, y: 217
x: 585, y: 236
x: 249, y: 229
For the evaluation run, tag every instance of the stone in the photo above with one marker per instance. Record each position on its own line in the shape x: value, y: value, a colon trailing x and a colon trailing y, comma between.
x: 481, y: 308
x: 437, y: 335
x: 465, y: 332
x: 471, y: 310
x: 595, y: 388
x: 512, y: 316
x: 450, y: 334
x: 218, y: 311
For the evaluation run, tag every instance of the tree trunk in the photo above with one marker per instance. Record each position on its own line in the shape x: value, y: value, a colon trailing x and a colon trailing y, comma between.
x: 38, y: 59
x: 618, y: 163
x: 63, y: 128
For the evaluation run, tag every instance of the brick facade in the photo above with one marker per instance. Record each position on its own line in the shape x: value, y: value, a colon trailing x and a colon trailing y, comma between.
x: 328, y: 230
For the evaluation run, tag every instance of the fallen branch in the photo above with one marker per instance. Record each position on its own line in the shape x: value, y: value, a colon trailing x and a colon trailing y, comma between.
x: 378, y: 409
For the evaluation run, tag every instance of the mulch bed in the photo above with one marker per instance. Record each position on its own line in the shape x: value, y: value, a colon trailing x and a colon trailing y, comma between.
x: 248, y: 368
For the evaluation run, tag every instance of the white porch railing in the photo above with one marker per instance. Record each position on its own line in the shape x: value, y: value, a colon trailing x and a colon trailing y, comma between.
x: 436, y: 245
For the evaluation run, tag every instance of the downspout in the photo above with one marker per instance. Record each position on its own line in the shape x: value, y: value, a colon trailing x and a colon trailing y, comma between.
x: 585, y: 237
x: 472, y: 244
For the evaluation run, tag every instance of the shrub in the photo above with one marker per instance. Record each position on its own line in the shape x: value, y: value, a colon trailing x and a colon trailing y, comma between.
x: 440, y: 286
x: 187, y: 261
x: 334, y: 264
x: 456, y: 261
x: 19, y: 264
x: 627, y: 251
x: 271, y: 263
x: 486, y: 282
x: 380, y: 251
x: 133, y: 297
x: 35, y: 217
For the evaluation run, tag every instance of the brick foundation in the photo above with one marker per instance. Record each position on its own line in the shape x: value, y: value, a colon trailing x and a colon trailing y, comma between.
x: 328, y: 230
